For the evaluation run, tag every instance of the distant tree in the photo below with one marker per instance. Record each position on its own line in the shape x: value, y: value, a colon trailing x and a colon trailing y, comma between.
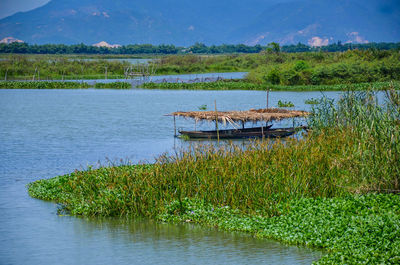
x: 274, y: 47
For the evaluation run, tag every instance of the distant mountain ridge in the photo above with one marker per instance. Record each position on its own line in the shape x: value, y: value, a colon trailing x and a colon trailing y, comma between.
x: 182, y: 22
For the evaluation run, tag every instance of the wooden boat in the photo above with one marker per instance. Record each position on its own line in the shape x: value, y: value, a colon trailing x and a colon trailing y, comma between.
x: 256, y: 132
x: 235, y: 117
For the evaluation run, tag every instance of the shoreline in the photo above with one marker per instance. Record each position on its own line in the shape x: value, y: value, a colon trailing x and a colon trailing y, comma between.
x: 213, y: 85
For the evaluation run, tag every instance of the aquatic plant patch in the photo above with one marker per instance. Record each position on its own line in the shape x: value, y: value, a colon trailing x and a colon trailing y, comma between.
x: 356, y: 229
x: 42, y: 85
x: 114, y: 85
x: 246, y: 85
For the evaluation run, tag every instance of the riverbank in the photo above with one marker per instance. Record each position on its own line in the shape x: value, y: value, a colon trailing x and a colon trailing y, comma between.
x: 326, y: 190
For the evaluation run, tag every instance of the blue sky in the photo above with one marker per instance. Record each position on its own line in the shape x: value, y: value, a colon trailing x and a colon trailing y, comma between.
x: 9, y: 7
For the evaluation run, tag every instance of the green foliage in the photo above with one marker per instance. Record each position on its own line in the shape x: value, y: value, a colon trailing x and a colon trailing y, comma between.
x: 38, y: 67
x: 60, y: 85
x: 172, y: 49
x: 285, y: 104
x: 114, y: 85
x: 326, y: 68
x: 354, y: 229
x: 273, y: 47
x: 42, y: 85
x: 301, y: 65
x: 273, y: 77
x: 245, y: 85
x: 311, y: 101
x: 219, y: 85
x: 203, y: 107
x: 318, y: 191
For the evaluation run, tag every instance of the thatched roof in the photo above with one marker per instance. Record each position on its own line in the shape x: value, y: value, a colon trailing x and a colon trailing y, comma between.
x: 253, y: 115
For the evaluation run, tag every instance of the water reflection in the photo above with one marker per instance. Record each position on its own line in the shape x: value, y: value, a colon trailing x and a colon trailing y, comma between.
x: 191, y: 244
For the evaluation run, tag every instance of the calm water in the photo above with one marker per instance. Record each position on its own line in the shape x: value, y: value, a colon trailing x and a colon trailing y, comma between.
x: 45, y: 133
x: 170, y: 78
x: 129, y: 60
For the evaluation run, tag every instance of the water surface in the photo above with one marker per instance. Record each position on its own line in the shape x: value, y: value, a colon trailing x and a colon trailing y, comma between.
x: 45, y: 133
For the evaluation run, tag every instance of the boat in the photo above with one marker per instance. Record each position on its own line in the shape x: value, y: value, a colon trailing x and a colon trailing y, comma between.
x: 235, y: 117
x: 256, y: 132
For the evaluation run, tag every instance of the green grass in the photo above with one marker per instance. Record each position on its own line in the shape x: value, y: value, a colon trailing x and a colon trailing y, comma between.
x: 246, y: 85
x: 326, y: 190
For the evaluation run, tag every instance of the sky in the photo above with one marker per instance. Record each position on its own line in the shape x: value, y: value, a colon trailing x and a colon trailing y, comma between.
x: 9, y: 7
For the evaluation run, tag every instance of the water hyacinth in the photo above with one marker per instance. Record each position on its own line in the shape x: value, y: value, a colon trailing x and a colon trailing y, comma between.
x: 247, y: 85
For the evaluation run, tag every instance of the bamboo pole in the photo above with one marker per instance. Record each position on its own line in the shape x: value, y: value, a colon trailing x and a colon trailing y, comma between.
x: 174, y: 126
x: 216, y: 119
x: 267, y: 97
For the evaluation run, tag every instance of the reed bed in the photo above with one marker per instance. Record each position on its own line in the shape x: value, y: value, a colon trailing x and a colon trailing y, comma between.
x: 349, y: 150
x: 321, y: 190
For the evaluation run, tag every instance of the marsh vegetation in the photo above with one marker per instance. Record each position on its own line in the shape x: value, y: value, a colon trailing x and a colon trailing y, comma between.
x: 332, y: 189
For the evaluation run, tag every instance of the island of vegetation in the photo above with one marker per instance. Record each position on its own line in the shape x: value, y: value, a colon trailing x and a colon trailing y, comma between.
x: 270, y: 68
x: 336, y: 188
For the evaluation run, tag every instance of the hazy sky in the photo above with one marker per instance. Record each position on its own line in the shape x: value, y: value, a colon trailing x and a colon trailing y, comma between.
x: 9, y: 7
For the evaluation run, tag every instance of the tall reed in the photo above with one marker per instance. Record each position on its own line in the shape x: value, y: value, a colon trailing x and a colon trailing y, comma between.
x: 353, y: 147
x: 374, y: 127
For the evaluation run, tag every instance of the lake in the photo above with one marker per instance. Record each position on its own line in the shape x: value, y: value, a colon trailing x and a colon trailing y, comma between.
x: 45, y: 133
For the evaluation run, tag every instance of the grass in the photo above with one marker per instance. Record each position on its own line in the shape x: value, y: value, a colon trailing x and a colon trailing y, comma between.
x: 329, y: 189
x: 246, y: 85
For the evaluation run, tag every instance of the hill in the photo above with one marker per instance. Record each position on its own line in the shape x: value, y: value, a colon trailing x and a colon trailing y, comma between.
x: 182, y: 22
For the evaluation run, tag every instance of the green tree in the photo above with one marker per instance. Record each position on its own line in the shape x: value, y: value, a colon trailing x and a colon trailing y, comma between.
x: 274, y: 47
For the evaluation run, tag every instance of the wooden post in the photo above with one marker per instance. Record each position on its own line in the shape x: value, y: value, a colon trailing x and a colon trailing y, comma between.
x: 195, y: 125
x: 262, y: 127
x: 216, y: 119
x: 5, y: 77
x: 267, y: 97
x: 105, y: 72
x: 34, y: 74
x: 174, y: 126
x: 262, y: 130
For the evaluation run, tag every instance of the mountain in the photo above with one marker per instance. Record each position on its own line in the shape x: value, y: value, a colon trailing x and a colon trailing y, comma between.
x: 183, y: 22
x: 323, y: 22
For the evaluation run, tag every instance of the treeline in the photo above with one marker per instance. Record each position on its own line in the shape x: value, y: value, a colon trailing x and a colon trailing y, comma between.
x: 340, y: 47
x: 197, y: 48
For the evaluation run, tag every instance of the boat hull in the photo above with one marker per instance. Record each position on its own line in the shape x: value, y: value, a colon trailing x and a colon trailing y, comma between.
x: 241, y: 133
